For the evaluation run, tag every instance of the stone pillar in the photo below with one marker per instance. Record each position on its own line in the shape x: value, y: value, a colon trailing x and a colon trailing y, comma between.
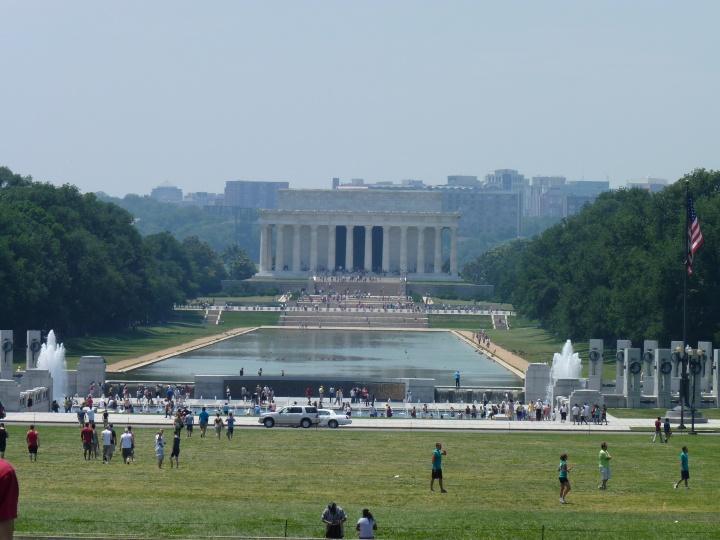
x: 32, y: 350
x: 279, y: 248
x: 453, y: 252
x: 368, y: 248
x: 403, y: 249
x: 421, y: 250
x: 331, y: 248
x: 437, y: 263
x: 264, y: 230
x: 622, y: 344
x: 313, y: 247
x: 6, y: 354
x: 648, y: 363
x: 386, y: 249
x: 695, y: 372
x: 663, y: 376
x: 706, y: 365
x: 349, y: 246
x: 296, y: 248
x: 537, y: 379
x: 595, y: 366
x: 633, y: 369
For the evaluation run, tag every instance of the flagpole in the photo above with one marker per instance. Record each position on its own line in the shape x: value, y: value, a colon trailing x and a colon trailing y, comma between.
x: 683, y: 354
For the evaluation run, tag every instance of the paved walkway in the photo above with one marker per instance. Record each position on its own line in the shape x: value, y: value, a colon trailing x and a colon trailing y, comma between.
x: 398, y: 422
x: 510, y: 361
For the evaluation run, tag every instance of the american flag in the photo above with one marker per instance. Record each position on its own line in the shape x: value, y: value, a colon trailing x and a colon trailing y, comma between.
x: 695, y: 237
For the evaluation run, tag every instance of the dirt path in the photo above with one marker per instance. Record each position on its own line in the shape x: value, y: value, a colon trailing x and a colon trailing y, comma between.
x: 510, y: 360
x: 156, y: 356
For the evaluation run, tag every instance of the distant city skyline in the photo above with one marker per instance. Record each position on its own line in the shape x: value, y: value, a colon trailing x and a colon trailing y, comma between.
x: 123, y: 97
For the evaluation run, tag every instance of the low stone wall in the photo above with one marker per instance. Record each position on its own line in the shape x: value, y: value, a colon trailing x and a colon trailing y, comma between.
x: 460, y: 291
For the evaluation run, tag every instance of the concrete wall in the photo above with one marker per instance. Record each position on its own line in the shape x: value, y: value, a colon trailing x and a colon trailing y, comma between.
x: 462, y: 291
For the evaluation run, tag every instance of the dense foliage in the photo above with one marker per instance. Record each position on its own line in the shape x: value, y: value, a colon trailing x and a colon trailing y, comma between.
x: 616, y: 269
x: 76, y: 264
x: 219, y: 227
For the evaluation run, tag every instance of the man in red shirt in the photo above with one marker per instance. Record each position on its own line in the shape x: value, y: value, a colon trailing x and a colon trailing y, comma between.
x: 86, y: 436
x: 658, y: 432
x: 9, y: 493
x: 33, y: 442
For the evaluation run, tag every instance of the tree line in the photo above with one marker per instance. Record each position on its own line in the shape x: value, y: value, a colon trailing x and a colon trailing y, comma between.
x: 71, y: 262
x: 615, y: 270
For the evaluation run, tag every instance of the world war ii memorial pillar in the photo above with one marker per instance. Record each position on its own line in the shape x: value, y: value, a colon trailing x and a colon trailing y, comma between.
x: 622, y: 344
x: 663, y: 378
x: 633, y: 369
x: 32, y: 349
x: 648, y: 364
x: 6, y: 354
x: 595, y: 368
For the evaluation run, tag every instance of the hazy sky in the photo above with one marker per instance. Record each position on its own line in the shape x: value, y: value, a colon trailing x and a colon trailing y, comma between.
x: 121, y: 96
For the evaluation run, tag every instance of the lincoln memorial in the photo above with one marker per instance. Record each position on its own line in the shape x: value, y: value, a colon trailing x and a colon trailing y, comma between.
x: 378, y: 231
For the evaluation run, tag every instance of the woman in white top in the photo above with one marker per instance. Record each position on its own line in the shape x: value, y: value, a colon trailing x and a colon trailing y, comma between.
x: 160, y: 448
x: 366, y: 525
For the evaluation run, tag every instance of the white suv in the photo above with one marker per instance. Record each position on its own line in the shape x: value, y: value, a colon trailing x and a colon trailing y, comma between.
x: 293, y: 415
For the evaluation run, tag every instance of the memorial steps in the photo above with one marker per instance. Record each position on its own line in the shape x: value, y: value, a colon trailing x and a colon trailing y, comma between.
x: 354, y: 319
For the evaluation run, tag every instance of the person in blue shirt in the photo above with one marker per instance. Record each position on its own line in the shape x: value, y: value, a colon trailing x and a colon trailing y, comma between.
x: 684, y: 468
x: 230, y: 426
x: 457, y: 378
x: 204, y: 418
x: 437, y: 456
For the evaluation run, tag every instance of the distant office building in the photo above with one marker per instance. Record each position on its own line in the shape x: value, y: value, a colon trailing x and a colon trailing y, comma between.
x: 653, y: 185
x: 202, y: 198
x: 582, y: 192
x: 252, y: 194
x: 506, y: 180
x: 493, y: 212
x: 459, y: 180
x: 360, y: 183
x: 167, y: 193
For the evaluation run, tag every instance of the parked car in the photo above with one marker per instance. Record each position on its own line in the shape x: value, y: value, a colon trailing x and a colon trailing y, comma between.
x: 329, y: 418
x: 293, y: 415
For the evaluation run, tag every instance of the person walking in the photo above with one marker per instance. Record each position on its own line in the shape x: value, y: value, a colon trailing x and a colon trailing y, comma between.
x: 160, y: 448
x: 366, y: 525
x: 203, y: 417
x: 32, y: 437
x: 667, y: 430
x: 230, y: 426
x: 563, y: 470
x: 9, y: 494
x: 684, y: 468
x: 457, y: 378
x: 658, y: 433
x: 604, y: 458
x: 218, y: 425
x: 175, y: 451
x: 3, y: 440
x: 107, y: 444
x: 437, y: 456
x: 334, y: 517
x: 126, y: 445
x: 86, y: 434
x: 189, y: 423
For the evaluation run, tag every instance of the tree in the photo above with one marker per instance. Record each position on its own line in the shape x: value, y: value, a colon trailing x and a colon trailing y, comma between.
x: 238, y: 264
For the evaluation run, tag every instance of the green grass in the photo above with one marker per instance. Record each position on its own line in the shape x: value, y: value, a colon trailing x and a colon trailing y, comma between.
x: 185, y: 326
x: 459, y: 322
x: 654, y: 413
x: 500, y: 486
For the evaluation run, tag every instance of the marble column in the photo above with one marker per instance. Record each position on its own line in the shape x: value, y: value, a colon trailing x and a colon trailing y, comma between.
x: 296, y: 248
x: 349, y: 248
x: 437, y: 264
x: 386, y: 249
x: 313, y: 247
x: 453, y: 251
x: 403, y: 249
x: 421, y: 251
x: 331, y: 248
x: 264, y: 230
x: 279, y: 248
x: 368, y: 248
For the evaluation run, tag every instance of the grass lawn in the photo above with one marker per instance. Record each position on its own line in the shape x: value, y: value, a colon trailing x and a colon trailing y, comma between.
x: 459, y: 322
x: 500, y: 486
x: 185, y: 326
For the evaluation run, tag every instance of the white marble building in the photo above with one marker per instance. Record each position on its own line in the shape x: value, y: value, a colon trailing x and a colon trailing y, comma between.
x: 393, y: 232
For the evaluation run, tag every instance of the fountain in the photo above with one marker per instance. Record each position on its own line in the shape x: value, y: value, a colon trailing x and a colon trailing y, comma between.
x: 564, y: 373
x: 52, y: 358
